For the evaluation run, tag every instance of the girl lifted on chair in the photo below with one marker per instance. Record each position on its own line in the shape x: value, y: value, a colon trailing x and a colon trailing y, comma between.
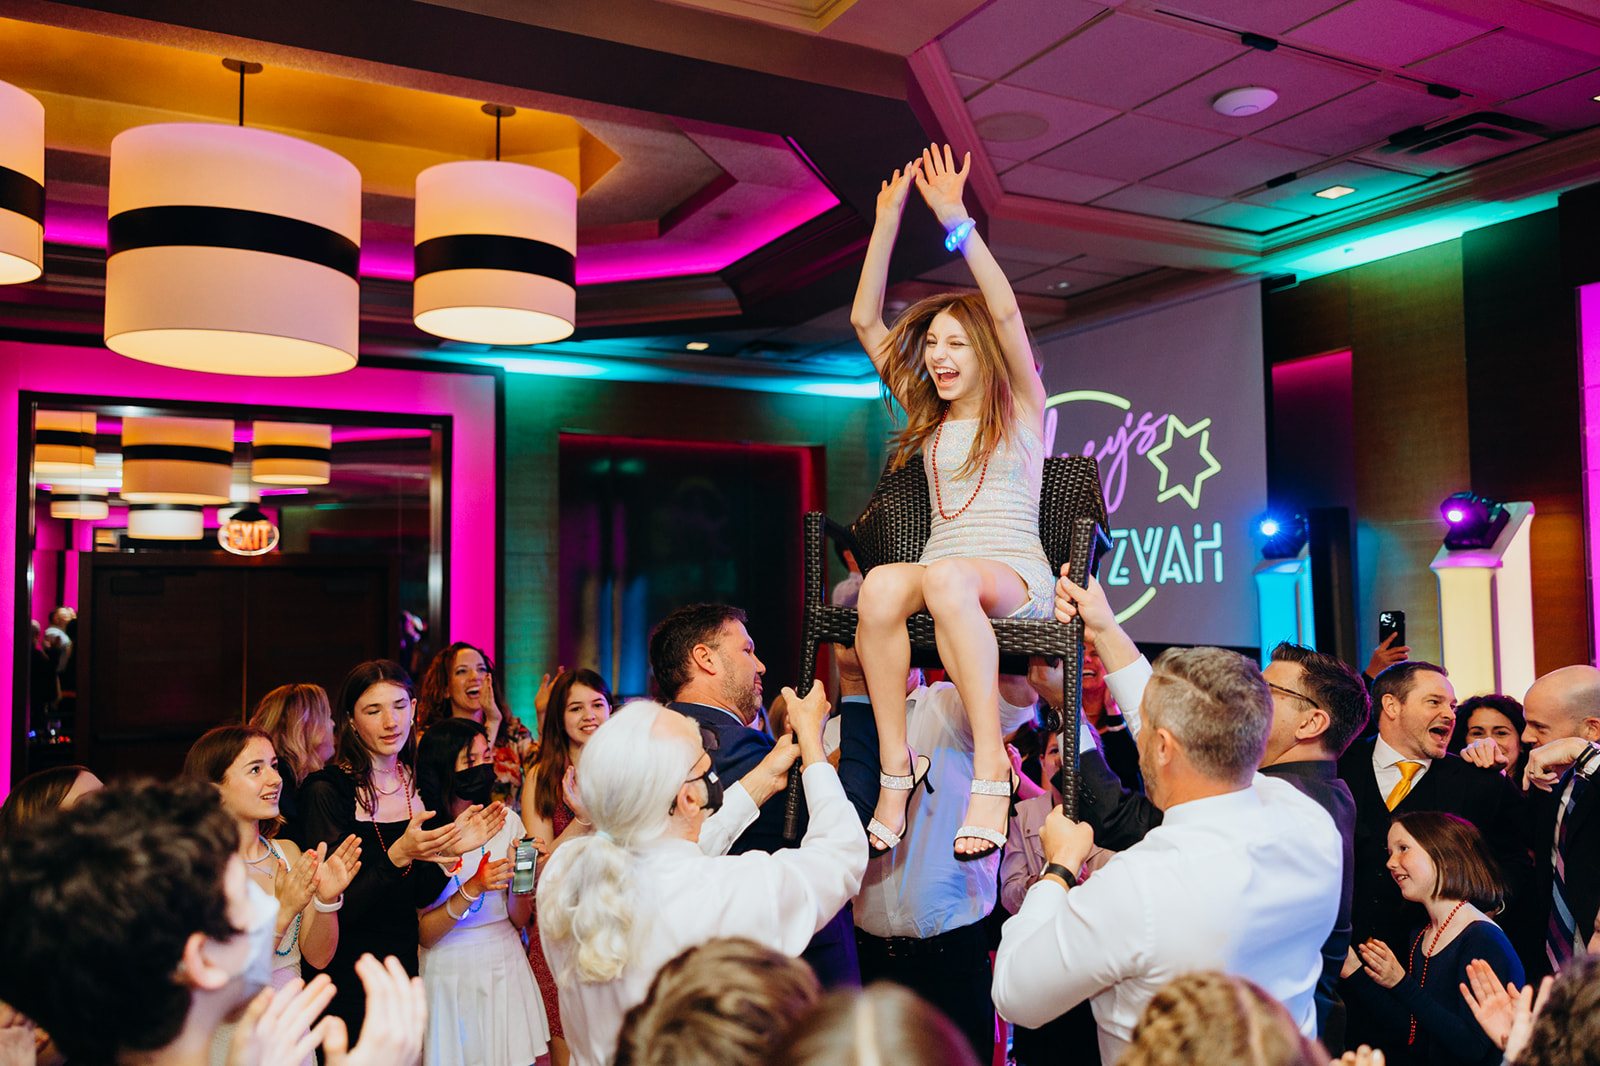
x: 962, y: 369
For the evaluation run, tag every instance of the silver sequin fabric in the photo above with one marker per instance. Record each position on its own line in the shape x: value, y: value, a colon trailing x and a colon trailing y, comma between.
x: 1003, y: 521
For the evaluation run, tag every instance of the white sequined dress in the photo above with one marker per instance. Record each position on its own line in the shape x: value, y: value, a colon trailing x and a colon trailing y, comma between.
x: 1002, y: 522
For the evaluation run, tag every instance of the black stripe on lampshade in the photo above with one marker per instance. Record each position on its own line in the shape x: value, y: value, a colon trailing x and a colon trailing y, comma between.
x: 232, y: 250
x: 63, y: 442
x: 496, y: 253
x: 291, y: 453
x: 21, y: 186
x: 177, y: 460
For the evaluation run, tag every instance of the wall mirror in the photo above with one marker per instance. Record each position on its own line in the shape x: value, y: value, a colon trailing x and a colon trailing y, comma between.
x: 181, y: 560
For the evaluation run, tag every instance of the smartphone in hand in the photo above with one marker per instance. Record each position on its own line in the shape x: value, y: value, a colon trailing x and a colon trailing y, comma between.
x: 1392, y: 623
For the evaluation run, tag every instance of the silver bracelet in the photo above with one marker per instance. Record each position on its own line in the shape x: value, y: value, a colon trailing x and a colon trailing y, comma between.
x: 469, y: 897
x: 327, y: 908
x: 454, y: 917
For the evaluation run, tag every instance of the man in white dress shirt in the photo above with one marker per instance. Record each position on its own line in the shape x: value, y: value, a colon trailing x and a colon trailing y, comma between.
x: 615, y: 905
x: 1243, y: 876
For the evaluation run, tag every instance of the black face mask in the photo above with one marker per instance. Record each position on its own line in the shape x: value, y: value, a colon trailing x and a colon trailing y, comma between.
x: 713, y: 790
x: 475, y: 783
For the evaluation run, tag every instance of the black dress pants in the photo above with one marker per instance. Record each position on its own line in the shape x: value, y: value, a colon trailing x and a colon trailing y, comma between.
x: 950, y: 970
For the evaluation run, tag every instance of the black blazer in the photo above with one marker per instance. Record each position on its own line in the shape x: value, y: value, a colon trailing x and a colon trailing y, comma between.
x: 1482, y: 796
x: 1582, y: 865
x: 739, y: 749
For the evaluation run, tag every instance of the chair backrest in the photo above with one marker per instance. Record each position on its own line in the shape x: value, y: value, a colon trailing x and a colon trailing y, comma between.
x: 895, y: 525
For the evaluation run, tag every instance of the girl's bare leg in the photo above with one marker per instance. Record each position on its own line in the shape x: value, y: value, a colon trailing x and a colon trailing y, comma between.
x: 962, y: 595
x: 890, y: 594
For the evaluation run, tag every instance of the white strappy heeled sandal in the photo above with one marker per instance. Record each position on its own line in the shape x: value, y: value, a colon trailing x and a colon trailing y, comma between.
x: 982, y: 832
x: 876, y: 830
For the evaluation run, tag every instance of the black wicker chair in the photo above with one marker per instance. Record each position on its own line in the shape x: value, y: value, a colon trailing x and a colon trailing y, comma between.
x: 893, y: 529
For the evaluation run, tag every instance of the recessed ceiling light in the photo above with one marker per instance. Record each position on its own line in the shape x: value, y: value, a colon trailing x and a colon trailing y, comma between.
x: 1242, y: 103
x: 1596, y: 99
x: 1333, y: 192
x: 697, y: 346
x: 1062, y: 285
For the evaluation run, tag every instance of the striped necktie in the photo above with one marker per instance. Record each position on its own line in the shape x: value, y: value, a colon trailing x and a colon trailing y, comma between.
x: 1402, y: 788
x: 1561, y: 938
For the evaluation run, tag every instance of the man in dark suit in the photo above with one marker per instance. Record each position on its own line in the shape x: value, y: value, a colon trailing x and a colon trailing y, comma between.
x: 705, y: 667
x: 1405, y: 768
x: 1562, y: 711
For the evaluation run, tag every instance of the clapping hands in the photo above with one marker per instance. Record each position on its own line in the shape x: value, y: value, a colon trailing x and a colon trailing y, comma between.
x: 275, y: 1029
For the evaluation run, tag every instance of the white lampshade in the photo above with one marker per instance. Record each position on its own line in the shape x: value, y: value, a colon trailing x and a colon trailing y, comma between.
x: 78, y: 501
x: 496, y: 248
x: 232, y: 250
x: 166, y: 521
x: 21, y: 186
x: 177, y: 460
x: 63, y: 442
x: 291, y: 453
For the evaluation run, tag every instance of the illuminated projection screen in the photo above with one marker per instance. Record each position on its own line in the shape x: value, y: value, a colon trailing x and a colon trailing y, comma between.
x: 1170, y: 403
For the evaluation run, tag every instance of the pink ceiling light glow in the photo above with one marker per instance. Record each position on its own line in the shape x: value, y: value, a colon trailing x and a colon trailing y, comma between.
x: 1589, y: 344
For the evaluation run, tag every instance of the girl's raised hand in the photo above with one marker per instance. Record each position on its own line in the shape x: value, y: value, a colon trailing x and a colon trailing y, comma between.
x: 892, y: 195
x: 293, y: 886
x: 941, y: 184
x: 339, y: 869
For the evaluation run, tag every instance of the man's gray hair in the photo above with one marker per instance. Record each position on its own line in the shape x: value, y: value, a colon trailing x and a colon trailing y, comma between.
x: 1216, y: 704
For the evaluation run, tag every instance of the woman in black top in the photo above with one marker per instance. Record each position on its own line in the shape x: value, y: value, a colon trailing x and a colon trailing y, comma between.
x: 370, y: 790
x: 1439, y: 861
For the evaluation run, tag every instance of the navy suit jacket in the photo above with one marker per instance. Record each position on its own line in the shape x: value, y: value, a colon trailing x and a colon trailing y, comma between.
x: 739, y: 749
x: 1582, y: 866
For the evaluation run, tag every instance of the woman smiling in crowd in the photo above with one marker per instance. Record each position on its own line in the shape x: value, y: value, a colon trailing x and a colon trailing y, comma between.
x: 461, y: 683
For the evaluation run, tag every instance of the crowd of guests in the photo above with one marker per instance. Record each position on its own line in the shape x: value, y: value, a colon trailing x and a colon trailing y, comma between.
x: 1279, y: 866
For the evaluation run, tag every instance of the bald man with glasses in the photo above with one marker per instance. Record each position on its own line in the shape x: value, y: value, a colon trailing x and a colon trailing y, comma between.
x: 1319, y: 706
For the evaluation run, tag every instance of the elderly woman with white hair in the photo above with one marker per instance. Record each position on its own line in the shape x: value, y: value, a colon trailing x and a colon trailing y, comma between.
x: 618, y: 903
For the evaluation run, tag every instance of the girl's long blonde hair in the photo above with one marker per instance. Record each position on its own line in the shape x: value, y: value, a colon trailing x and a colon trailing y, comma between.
x: 289, y: 715
x: 905, y: 377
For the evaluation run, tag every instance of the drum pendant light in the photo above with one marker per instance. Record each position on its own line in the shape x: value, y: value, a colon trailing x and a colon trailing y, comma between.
x: 166, y: 521
x: 232, y: 250
x: 177, y: 460
x: 63, y: 442
x: 79, y: 501
x: 496, y: 251
x: 21, y: 186
x: 291, y: 453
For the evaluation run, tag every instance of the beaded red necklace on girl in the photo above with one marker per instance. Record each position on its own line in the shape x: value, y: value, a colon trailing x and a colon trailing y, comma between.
x: 383, y: 844
x: 1422, y: 977
x: 933, y: 457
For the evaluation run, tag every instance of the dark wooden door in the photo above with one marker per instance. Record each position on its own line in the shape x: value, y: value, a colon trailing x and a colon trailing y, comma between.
x: 173, y: 645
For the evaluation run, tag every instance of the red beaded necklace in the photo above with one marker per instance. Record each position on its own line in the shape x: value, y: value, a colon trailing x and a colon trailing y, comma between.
x: 1422, y: 978
x: 938, y: 493
x: 374, y: 812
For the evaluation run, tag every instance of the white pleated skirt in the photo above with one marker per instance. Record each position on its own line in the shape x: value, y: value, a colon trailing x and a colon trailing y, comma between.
x: 484, y: 1008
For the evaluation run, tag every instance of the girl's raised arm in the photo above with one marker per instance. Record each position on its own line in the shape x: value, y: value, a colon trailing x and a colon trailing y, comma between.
x: 941, y: 185
x: 866, y: 315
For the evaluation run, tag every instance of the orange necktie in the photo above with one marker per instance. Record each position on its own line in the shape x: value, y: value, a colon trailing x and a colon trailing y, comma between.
x: 1402, y: 788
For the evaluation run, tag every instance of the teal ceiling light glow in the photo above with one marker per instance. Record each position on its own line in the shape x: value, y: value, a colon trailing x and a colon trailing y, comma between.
x: 1370, y: 245
x: 844, y: 390
x: 560, y: 368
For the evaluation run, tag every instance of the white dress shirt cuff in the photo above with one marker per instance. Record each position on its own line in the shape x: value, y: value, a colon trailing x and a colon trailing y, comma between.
x: 1127, y: 688
x: 738, y: 810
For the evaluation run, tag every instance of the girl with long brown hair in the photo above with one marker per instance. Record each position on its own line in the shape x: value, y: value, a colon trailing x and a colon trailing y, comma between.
x: 578, y: 704
x: 963, y: 371
x: 461, y: 683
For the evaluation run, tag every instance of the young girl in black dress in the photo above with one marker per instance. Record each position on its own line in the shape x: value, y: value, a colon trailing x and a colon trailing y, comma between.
x: 370, y: 789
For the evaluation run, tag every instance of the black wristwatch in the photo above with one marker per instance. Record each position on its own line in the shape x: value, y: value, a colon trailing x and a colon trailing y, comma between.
x: 1061, y: 872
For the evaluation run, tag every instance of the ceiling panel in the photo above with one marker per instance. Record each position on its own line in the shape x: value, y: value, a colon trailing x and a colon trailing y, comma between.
x: 1505, y: 64
x: 1250, y: 217
x: 1058, y: 119
x: 956, y: 272
x: 1567, y: 106
x: 1132, y: 147
x: 1300, y: 84
x: 1030, y: 179
x: 1233, y: 168
x: 1124, y: 61
x: 969, y: 86
x: 1368, y: 183
x: 1465, y: 152
x: 1005, y: 33
x: 1259, y: 16
x: 1162, y: 203
x: 1364, y: 117
x: 1390, y: 33
x: 1101, y: 265
x: 1063, y: 281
